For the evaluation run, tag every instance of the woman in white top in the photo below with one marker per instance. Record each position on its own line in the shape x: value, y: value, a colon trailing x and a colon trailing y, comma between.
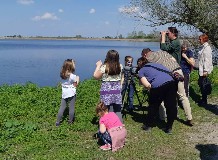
x: 111, y: 75
x: 69, y: 83
x: 205, y: 64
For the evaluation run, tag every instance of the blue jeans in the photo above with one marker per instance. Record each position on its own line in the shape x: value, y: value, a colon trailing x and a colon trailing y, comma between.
x: 130, y: 90
x: 105, y: 137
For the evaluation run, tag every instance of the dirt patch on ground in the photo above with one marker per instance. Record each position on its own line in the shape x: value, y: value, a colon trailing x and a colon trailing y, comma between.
x: 204, y: 136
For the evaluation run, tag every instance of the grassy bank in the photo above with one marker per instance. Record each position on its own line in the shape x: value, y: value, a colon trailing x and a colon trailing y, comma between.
x: 28, y: 115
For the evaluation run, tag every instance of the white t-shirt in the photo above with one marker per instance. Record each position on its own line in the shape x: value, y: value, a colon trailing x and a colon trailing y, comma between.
x: 68, y: 89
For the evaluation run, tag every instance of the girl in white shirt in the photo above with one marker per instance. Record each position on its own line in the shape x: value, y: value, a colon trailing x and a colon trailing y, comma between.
x: 69, y: 83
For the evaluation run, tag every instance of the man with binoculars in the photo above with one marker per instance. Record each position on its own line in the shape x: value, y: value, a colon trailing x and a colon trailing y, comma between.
x: 173, y: 47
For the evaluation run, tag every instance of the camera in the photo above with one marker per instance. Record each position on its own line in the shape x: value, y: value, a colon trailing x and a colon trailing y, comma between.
x: 129, y: 72
x: 132, y: 69
x: 167, y: 33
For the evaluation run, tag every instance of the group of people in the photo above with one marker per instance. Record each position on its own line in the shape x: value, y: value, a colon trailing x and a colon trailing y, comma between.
x: 153, y: 73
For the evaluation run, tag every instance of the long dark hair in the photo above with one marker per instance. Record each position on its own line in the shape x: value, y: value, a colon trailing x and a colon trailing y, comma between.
x: 112, y: 63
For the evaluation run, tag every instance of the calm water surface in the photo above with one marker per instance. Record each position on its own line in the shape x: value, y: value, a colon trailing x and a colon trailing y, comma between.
x: 40, y: 61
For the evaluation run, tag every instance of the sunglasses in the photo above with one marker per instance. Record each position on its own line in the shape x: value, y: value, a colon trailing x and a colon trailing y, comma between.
x: 129, y: 62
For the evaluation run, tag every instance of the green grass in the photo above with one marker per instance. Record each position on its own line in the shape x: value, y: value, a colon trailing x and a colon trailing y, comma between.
x: 27, y: 126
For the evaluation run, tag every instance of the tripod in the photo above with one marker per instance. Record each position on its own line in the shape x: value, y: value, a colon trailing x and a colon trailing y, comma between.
x: 126, y: 90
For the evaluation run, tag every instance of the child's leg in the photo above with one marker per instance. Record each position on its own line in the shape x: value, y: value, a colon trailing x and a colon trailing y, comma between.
x: 71, y: 108
x: 61, y: 110
x: 131, y: 93
x: 105, y: 137
x: 117, y: 109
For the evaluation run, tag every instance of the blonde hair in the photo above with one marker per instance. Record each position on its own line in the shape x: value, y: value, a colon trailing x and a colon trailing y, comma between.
x: 67, y: 68
x: 101, y: 108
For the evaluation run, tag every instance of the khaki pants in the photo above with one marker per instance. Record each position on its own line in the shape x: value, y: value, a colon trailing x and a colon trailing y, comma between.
x: 182, y: 98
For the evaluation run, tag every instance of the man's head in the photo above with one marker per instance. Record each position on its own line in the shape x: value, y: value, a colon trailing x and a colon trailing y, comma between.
x: 145, y: 51
x: 172, y: 33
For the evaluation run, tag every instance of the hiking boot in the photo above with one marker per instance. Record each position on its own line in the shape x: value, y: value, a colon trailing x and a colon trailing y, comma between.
x: 202, y: 102
x: 189, y: 123
x: 146, y: 128
x: 106, y: 147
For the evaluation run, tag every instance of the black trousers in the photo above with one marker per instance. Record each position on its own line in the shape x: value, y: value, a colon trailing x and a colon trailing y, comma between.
x: 203, y: 92
x: 167, y: 93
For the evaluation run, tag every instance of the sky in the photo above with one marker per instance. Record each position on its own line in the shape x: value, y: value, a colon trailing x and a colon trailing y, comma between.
x: 88, y: 18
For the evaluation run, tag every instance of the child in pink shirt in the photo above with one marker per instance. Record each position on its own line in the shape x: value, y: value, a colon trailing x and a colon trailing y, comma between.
x: 108, y: 121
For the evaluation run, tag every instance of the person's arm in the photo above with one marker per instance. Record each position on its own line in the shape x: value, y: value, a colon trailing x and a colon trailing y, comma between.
x: 102, y: 128
x: 97, y: 73
x: 122, y: 79
x: 190, y: 60
x: 76, y: 81
x: 145, y: 83
x: 163, y: 37
x: 207, y: 60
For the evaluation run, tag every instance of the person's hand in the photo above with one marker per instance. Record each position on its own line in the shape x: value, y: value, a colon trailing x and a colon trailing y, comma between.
x: 75, y: 84
x: 163, y: 33
x: 184, y: 55
x: 99, y: 63
x: 205, y: 74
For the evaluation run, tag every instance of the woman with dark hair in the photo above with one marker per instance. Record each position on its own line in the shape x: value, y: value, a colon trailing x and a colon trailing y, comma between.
x: 111, y: 75
x: 161, y: 87
x: 205, y: 65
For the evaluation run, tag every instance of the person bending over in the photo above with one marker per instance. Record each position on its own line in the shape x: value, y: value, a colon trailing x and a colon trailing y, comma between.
x: 161, y: 87
x: 111, y: 130
x: 169, y: 62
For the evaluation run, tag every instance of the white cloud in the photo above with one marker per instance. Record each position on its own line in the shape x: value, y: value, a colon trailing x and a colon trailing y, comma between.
x: 92, y: 10
x: 25, y: 2
x: 107, y: 23
x: 45, y: 16
x: 60, y: 10
x: 129, y: 10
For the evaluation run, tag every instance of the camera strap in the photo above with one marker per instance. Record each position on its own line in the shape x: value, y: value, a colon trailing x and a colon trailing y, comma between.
x: 159, y: 69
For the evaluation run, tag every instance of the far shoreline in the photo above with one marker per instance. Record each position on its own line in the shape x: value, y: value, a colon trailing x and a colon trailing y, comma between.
x: 71, y: 38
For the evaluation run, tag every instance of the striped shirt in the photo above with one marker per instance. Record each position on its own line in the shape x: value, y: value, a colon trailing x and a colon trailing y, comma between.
x: 164, y: 58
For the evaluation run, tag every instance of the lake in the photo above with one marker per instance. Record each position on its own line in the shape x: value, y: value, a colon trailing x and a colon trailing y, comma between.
x: 40, y: 61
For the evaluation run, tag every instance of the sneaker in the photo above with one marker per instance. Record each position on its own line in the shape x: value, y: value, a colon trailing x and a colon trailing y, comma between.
x: 146, y: 128
x: 57, y: 124
x: 106, y: 147
x: 168, y: 130
x: 70, y: 122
